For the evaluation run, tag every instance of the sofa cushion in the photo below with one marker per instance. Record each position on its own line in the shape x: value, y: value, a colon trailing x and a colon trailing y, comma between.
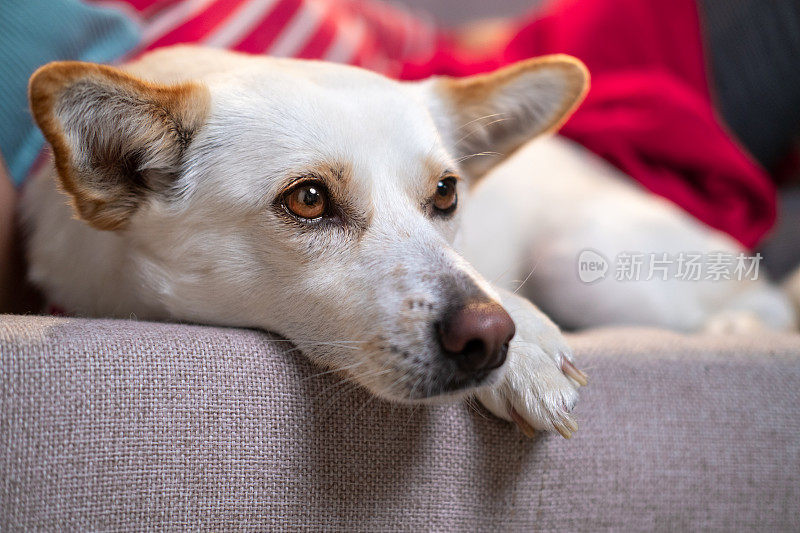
x: 108, y: 424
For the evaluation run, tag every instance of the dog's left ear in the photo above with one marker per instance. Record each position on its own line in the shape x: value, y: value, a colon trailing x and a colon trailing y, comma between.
x: 496, y: 113
x: 116, y: 139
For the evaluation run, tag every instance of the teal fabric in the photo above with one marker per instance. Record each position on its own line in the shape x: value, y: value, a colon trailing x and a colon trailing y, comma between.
x: 34, y: 32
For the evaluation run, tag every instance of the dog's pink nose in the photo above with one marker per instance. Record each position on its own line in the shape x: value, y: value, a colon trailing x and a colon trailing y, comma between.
x: 476, y: 336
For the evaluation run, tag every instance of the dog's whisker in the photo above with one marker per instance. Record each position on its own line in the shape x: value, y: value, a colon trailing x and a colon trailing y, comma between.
x: 476, y: 130
x: 349, y: 387
x: 494, y: 281
x: 343, y: 344
x: 329, y: 387
x: 352, y: 380
x: 474, y: 120
x: 332, y: 370
x: 526, y: 278
x: 364, y: 405
x: 414, y: 388
x: 498, y: 117
x: 470, y: 156
x: 472, y: 405
x: 386, y: 389
x: 511, y: 264
x: 344, y: 386
x: 344, y: 379
x: 295, y: 349
x: 314, y: 341
x: 389, y: 388
x: 411, y: 414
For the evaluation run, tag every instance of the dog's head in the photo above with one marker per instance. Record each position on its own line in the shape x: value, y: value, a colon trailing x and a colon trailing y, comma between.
x: 316, y: 200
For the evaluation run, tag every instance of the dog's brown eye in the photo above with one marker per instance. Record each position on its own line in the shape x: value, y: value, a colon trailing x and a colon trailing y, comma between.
x: 307, y: 200
x: 445, y: 199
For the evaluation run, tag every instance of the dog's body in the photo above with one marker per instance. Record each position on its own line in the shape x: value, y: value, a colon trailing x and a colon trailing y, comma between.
x: 194, y: 179
x: 569, y: 200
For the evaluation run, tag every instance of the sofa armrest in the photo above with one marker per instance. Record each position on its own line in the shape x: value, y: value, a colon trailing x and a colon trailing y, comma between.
x: 110, y: 424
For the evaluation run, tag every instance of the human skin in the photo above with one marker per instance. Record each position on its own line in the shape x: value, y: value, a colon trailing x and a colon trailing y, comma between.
x: 13, y: 293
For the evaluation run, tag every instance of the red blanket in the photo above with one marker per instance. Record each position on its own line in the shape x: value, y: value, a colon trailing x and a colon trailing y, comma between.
x: 649, y: 111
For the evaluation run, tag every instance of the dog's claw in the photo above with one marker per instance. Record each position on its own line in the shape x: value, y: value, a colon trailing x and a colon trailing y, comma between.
x: 564, y: 424
x: 570, y: 370
x: 540, y: 386
x: 566, y: 433
x: 523, y: 426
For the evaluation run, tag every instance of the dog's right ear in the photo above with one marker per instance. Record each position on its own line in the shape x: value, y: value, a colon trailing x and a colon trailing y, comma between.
x: 115, y: 138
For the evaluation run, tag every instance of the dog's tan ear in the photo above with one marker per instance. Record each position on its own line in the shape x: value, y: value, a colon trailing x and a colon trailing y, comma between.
x: 495, y: 113
x: 115, y: 138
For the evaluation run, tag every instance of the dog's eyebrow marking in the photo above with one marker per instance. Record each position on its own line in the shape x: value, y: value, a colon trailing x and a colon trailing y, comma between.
x: 337, y: 173
x: 446, y: 173
x: 435, y: 170
x: 432, y: 166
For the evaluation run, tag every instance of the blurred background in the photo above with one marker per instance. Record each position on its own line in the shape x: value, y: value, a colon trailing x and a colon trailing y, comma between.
x: 455, y: 12
x: 781, y: 249
x: 697, y: 100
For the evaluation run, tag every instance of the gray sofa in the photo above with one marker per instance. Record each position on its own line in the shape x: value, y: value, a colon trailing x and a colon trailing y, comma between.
x: 124, y: 425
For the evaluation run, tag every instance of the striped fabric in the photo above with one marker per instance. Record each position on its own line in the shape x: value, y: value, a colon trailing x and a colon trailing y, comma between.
x: 367, y: 33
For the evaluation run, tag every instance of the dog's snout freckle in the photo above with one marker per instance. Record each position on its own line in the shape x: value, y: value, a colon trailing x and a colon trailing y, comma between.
x: 414, y: 304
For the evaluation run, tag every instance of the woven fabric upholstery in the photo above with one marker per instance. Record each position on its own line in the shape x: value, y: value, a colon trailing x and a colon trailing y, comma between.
x: 121, y: 425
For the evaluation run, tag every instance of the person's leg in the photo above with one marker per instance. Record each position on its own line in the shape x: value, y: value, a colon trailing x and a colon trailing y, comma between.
x: 16, y: 294
x: 753, y: 49
x: 9, y: 271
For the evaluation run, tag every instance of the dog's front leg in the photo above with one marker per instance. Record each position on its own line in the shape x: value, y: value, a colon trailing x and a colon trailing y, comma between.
x: 539, y: 387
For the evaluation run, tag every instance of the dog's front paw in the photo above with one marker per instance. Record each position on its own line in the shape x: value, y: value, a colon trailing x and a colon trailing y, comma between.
x: 539, y: 388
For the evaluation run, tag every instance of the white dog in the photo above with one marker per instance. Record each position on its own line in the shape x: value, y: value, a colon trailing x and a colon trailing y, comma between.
x: 322, y: 202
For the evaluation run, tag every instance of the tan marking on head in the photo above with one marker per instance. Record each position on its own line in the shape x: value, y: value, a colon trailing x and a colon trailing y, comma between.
x: 148, y: 116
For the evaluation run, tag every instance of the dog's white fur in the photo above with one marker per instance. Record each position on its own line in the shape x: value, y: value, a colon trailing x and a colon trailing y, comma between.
x: 361, y: 297
x: 567, y: 200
